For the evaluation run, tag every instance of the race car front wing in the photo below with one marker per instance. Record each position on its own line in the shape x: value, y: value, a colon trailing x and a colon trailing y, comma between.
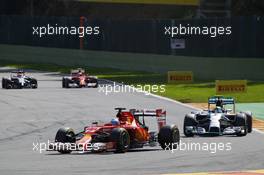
x: 215, y: 131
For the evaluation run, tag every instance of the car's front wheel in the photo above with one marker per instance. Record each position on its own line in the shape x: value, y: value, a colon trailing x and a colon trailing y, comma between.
x: 122, y: 139
x: 188, y: 122
x: 65, y: 135
x: 241, y: 121
x: 65, y: 83
x: 16, y: 84
x: 34, y: 84
x: 169, y: 137
x: 96, y: 83
x: 249, y: 121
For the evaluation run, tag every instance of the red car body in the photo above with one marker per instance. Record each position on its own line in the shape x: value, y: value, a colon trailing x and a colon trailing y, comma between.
x: 127, y: 134
x: 78, y: 78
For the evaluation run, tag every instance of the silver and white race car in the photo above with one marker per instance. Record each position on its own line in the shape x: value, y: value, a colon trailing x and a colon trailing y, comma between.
x: 19, y: 80
x: 219, y: 121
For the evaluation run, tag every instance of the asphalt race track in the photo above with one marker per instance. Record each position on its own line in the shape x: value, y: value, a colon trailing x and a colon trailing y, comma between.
x: 29, y: 116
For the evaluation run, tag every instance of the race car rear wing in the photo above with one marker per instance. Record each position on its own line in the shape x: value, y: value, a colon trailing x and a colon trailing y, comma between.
x: 225, y: 100
x: 78, y: 70
x: 158, y: 113
x: 18, y: 71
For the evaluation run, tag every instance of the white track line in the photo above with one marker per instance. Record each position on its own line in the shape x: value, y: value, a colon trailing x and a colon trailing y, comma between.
x: 174, y: 101
x: 258, y: 131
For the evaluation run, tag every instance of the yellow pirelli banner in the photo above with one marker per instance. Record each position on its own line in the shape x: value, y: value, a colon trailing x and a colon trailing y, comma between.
x: 162, y: 2
x: 180, y: 77
x: 230, y: 86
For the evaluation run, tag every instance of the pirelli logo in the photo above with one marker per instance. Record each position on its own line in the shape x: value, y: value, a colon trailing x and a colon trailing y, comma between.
x: 231, y: 86
x: 180, y: 77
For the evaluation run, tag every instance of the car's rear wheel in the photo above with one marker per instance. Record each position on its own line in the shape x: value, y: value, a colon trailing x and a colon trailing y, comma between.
x: 122, y: 139
x: 249, y: 121
x: 3, y: 83
x: 241, y: 121
x: 65, y: 135
x: 63, y: 83
x: 188, y: 121
x: 34, y: 84
x: 169, y: 137
x: 8, y: 84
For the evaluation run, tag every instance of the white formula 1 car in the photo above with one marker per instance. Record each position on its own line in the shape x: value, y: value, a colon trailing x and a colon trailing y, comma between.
x: 219, y: 121
x: 19, y: 80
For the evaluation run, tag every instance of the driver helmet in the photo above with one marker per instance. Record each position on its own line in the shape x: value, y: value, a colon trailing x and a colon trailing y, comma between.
x: 20, y: 73
x: 80, y: 73
x: 218, y: 109
x: 115, y: 121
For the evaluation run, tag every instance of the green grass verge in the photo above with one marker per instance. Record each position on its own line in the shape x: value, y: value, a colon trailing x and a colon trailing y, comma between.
x: 200, y: 91
x: 191, y: 93
x: 203, y: 68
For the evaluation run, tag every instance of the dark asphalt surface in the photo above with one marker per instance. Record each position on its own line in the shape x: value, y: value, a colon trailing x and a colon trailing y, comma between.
x: 29, y: 116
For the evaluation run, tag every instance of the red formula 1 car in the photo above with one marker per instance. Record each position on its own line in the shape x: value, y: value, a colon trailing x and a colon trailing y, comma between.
x: 127, y: 131
x: 78, y: 78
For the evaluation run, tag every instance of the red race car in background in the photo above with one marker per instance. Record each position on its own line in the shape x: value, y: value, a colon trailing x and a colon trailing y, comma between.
x: 127, y: 131
x: 79, y: 79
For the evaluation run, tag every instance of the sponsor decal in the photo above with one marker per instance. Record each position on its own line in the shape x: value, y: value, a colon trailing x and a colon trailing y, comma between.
x: 180, y: 77
x: 230, y: 86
